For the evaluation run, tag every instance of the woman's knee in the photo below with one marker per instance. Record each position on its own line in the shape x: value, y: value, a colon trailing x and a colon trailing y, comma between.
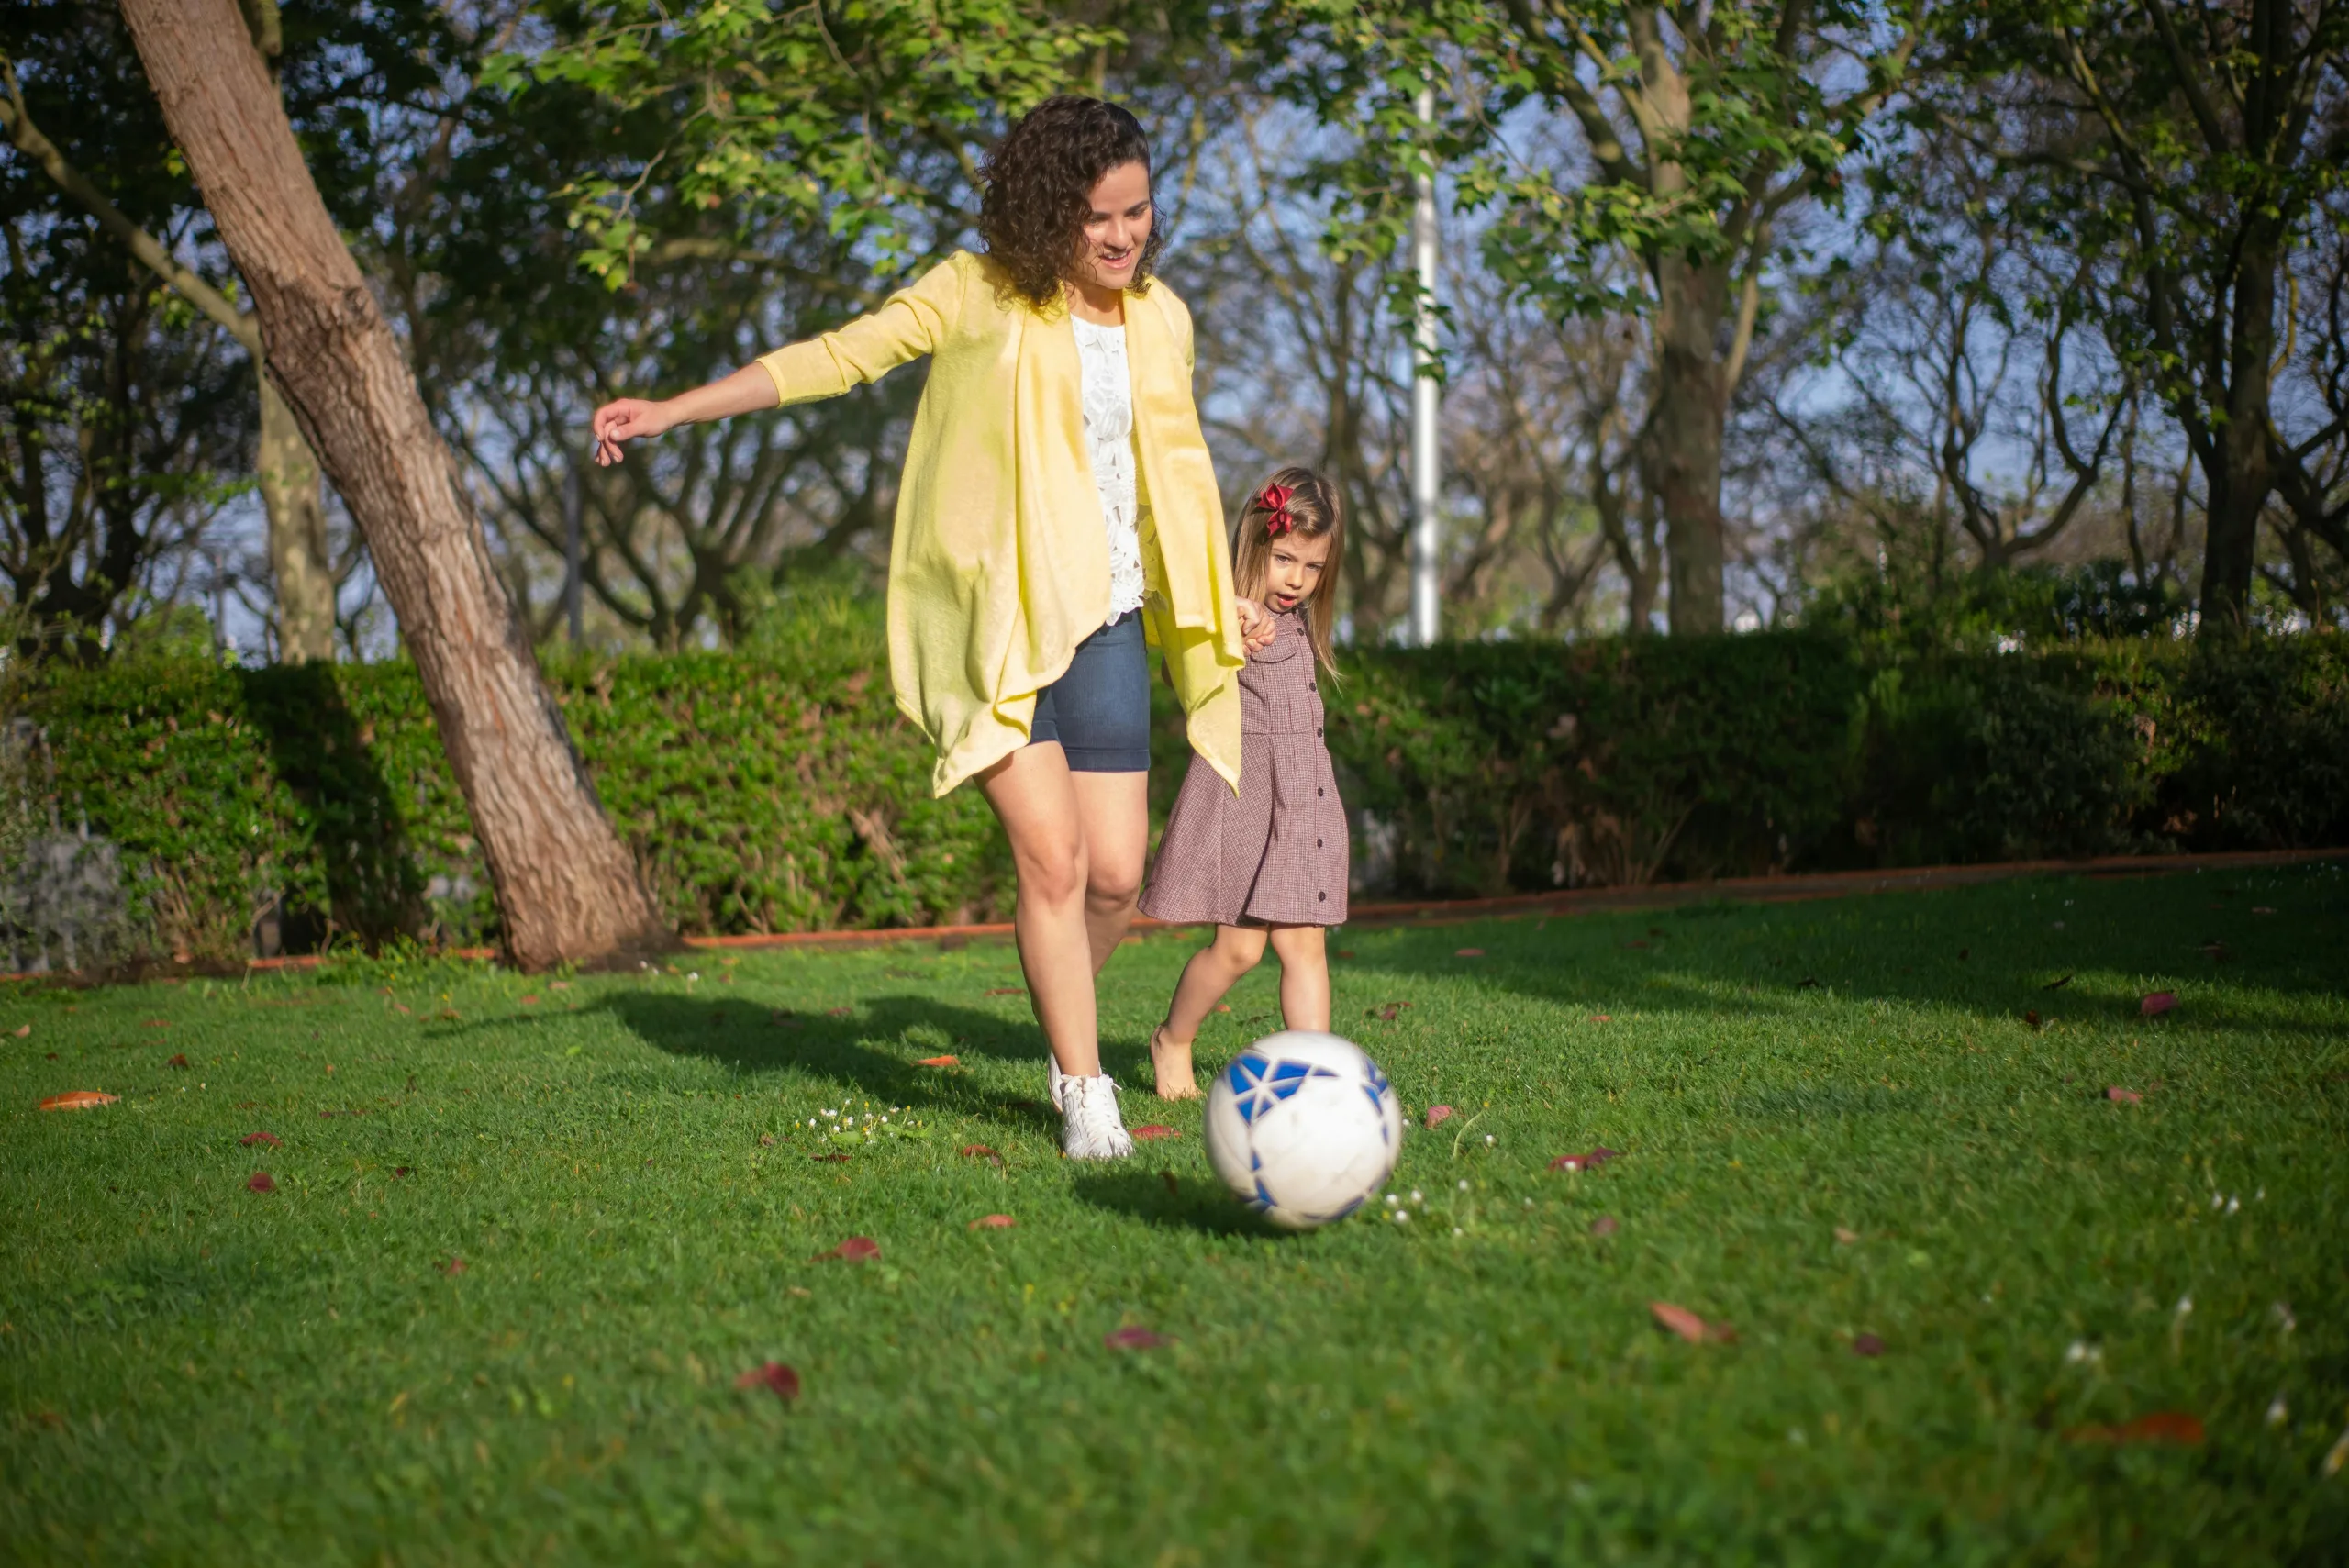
x: 1112, y: 886
x: 1052, y: 873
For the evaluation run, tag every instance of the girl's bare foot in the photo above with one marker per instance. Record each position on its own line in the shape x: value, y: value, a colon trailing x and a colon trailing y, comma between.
x: 1170, y: 1064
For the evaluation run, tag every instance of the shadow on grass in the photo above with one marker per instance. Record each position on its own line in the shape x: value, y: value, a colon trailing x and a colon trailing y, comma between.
x: 873, y: 1046
x: 1984, y: 950
x: 1194, y: 1204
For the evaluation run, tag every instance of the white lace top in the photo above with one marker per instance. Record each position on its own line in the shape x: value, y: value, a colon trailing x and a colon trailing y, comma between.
x: 1109, y: 435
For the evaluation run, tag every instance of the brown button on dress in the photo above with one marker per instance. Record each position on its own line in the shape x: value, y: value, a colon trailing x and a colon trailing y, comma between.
x: 1275, y: 853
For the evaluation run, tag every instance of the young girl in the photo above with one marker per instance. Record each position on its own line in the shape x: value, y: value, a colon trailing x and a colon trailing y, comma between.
x: 1269, y: 864
x: 1057, y: 500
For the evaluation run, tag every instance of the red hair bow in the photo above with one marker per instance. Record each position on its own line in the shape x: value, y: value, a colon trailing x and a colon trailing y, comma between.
x: 1273, y: 499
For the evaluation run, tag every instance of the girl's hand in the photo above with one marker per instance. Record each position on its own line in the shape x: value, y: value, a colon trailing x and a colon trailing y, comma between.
x: 1256, y: 627
x: 628, y: 419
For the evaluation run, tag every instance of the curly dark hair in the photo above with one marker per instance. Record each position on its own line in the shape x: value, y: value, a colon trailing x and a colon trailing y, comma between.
x: 1040, y: 179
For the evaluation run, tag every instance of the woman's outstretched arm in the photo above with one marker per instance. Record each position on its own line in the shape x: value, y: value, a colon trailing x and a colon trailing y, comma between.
x: 747, y: 390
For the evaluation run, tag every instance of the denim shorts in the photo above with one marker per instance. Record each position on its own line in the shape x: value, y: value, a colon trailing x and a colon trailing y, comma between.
x: 1099, y: 711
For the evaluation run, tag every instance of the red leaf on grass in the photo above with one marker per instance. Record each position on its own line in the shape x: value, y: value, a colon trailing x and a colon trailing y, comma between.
x: 179, y: 1062
x: 79, y: 1100
x: 2032, y: 1017
x: 2155, y: 1006
x: 855, y: 1250
x: 1866, y: 1345
x: 829, y: 1159
x: 1439, y: 1115
x: 1009, y: 990
x: 529, y: 1001
x: 1223, y: 1007
x: 21, y: 1031
x: 1602, y: 1018
x: 261, y: 1182
x: 1680, y: 1321
x: 939, y: 1062
x: 837, y: 1012
x: 1603, y: 1225
x: 267, y: 1140
x: 453, y: 1267
x: 2121, y: 1097
x: 398, y: 1172
x: 159, y: 1023
x: 1146, y: 1133
x: 2161, y: 1426
x: 978, y: 1152
x: 766, y: 1140
x: 773, y: 1375
x: 1134, y: 1338
x: 1468, y: 952
x: 1590, y: 1162
x: 992, y: 1222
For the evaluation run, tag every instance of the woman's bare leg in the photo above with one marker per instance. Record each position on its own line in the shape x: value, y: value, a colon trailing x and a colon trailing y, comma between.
x: 1305, y: 976
x: 1212, y: 972
x: 1113, y: 816
x: 1035, y: 796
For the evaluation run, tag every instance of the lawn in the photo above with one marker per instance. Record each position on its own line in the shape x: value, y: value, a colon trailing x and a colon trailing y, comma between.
x: 1836, y: 1120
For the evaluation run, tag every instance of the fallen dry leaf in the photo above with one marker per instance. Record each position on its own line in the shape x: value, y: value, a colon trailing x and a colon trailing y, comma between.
x: 992, y: 1222
x: 773, y: 1376
x: 1602, y: 1018
x: 2155, y: 1006
x: 1439, y: 1115
x: 939, y: 1062
x: 159, y: 1023
x: 266, y: 1139
x: 21, y: 1031
x: 978, y: 1152
x: 1635, y: 942
x: 78, y: 1100
x: 529, y: 1001
x: 1603, y: 1225
x: 261, y: 1182
x: 399, y: 1173
x: 1688, y: 1326
x: 1590, y: 1162
x: 179, y: 1061
x: 453, y: 1267
x: 1153, y: 1130
x: 839, y: 1012
x: 1846, y: 1237
x: 2121, y: 1097
x: 1223, y: 1007
x: 559, y: 986
x: 855, y: 1250
x: 2161, y: 1426
x: 1007, y: 991
x: 2032, y: 1017
x: 766, y: 1140
x: 1468, y: 952
x: 1134, y: 1338
x: 829, y: 1159
x: 1866, y: 1345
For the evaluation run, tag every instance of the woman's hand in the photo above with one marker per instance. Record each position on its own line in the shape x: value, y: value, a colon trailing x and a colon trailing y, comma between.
x: 628, y: 419
x: 1257, y: 628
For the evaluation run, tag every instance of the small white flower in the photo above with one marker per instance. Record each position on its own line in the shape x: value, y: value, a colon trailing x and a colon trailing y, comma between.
x: 695, y: 975
x: 1488, y: 1140
x: 884, y: 1118
x: 1457, y: 1232
x: 2185, y: 1304
x: 1464, y: 1186
x: 811, y: 1121
x: 2082, y: 1353
x: 1529, y: 1203
x: 1402, y: 1216
x: 2259, y: 1196
x: 2217, y: 1200
x: 1795, y: 1435
x: 2233, y: 1203
x: 1392, y: 1200
x: 2284, y: 1318
x: 2277, y: 1412
x: 1418, y: 1196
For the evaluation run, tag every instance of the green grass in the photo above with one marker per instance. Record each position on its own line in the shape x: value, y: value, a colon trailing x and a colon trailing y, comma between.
x: 195, y: 1373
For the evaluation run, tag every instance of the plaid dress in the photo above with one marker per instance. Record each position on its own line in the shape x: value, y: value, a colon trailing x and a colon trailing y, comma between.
x: 1275, y: 853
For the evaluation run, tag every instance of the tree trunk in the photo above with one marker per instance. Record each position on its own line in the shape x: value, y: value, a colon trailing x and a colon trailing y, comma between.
x: 567, y: 889
x: 1684, y: 457
x: 288, y: 473
x: 2241, y: 478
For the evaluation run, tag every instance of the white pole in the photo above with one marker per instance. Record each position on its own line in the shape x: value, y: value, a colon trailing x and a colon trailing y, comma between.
x: 1427, y: 528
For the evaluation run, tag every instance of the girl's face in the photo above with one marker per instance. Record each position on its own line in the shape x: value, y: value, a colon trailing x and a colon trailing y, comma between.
x: 1293, y: 570
x: 1116, y: 228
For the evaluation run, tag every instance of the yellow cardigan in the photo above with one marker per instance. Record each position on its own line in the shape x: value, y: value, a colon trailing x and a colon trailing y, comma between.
x: 1001, y: 563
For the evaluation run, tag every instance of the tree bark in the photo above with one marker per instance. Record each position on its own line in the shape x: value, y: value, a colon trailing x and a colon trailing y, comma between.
x: 567, y: 889
x: 1683, y: 459
x: 2240, y: 478
x: 288, y: 473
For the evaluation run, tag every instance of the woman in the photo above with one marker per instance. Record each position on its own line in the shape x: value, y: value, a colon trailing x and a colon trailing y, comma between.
x: 1057, y: 499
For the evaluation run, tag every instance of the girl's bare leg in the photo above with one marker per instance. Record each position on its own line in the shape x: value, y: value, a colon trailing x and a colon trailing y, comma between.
x: 1034, y: 795
x: 1305, y: 975
x: 1213, y: 971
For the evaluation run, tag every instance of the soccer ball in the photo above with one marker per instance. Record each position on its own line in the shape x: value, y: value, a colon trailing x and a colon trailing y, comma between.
x: 1303, y: 1127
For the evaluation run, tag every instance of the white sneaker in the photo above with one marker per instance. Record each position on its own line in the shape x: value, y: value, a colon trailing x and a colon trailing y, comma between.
x: 1091, y: 1128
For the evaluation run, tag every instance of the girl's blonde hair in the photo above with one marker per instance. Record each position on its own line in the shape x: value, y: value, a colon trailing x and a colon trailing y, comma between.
x: 1296, y: 502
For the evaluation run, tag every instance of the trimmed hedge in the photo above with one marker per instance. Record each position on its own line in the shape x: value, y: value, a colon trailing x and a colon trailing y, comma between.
x: 778, y: 790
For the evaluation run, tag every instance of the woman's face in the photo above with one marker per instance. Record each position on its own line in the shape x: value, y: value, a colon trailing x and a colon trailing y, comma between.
x: 1116, y: 228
